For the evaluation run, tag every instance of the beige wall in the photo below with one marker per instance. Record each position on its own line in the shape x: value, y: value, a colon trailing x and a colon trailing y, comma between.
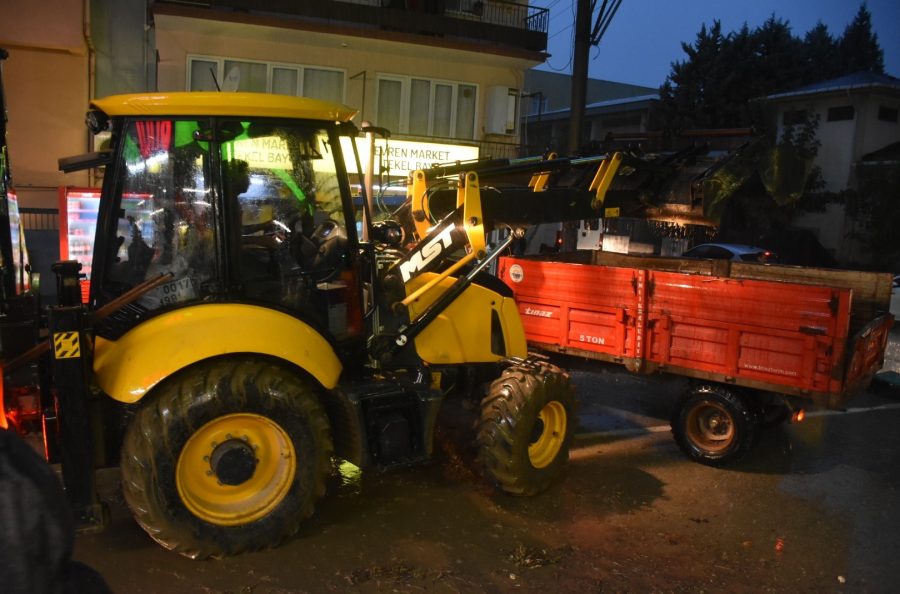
x: 878, y: 133
x: 177, y: 37
x: 843, y: 143
x: 46, y: 84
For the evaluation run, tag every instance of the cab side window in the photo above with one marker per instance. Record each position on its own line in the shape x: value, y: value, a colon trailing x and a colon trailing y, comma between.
x: 286, y: 222
x: 167, y: 214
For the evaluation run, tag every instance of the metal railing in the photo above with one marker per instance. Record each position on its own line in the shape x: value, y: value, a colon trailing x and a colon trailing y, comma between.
x: 507, y: 21
x: 538, y: 19
x: 497, y: 12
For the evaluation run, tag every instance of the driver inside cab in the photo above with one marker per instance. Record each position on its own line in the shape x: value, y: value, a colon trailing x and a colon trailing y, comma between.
x: 288, y: 243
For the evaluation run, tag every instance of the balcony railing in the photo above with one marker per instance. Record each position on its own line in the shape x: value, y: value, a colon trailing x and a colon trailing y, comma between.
x: 493, y: 22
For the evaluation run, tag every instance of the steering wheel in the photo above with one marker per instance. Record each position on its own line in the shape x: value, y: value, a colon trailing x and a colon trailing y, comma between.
x: 321, y: 253
x: 325, y: 231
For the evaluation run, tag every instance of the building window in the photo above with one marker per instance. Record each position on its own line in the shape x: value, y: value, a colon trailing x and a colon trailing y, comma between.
x: 887, y: 114
x: 842, y: 113
x: 245, y: 76
x: 425, y: 107
x: 212, y: 74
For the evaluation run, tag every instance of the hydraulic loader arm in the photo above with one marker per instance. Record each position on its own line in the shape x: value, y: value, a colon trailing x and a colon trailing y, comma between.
x: 580, y: 191
x: 474, y: 211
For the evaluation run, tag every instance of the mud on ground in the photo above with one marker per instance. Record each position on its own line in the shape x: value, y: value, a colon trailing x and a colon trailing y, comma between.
x: 632, y: 515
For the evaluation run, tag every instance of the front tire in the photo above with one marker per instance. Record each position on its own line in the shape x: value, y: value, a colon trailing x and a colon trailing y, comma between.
x: 715, y: 425
x: 227, y: 456
x: 526, y: 428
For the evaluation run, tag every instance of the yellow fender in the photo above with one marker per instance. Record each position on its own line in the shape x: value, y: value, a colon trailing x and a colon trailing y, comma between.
x: 129, y: 367
x: 462, y: 332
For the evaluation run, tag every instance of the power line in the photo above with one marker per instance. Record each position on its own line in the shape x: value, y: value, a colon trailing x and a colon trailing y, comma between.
x: 563, y: 30
x: 554, y: 3
x: 571, y: 25
x: 555, y: 14
x: 604, y: 18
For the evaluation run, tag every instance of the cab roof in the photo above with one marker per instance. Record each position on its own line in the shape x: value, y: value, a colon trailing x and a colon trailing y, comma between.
x: 222, y: 104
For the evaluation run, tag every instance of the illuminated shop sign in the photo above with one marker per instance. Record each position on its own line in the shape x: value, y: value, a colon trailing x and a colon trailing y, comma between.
x: 401, y: 157
x: 396, y: 157
x: 267, y: 152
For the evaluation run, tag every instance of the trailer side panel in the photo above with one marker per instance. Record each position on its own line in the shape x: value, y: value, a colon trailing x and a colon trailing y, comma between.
x: 787, y: 337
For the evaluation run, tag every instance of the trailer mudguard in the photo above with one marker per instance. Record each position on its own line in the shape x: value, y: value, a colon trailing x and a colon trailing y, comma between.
x: 129, y: 367
x: 462, y: 333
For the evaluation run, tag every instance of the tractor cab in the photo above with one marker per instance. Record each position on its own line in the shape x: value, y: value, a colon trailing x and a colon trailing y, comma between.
x: 239, y: 336
x: 247, y: 203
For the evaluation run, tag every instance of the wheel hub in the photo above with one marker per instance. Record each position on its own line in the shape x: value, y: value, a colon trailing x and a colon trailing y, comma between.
x: 537, y: 431
x: 233, y: 462
x: 235, y: 469
x: 716, y: 426
x: 710, y: 427
x: 548, y: 435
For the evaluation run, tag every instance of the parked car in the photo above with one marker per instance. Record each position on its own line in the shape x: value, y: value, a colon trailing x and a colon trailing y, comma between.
x: 730, y: 251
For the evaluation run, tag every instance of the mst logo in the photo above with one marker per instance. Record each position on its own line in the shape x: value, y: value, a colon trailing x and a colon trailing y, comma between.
x: 431, y: 250
x: 541, y: 313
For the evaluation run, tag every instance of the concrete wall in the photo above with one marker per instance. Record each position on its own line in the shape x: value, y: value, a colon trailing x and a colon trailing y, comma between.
x: 46, y: 83
x: 57, y: 64
x: 831, y: 227
x: 844, y: 142
x: 177, y: 37
x: 123, y: 38
x: 877, y: 133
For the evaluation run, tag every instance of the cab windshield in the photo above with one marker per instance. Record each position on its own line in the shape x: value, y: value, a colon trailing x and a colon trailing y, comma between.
x: 235, y: 209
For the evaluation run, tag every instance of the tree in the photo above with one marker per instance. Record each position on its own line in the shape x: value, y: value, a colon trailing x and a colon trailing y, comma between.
x: 722, y: 73
x: 712, y: 87
x: 858, y: 48
x: 690, y: 96
x: 820, y: 53
x: 718, y: 85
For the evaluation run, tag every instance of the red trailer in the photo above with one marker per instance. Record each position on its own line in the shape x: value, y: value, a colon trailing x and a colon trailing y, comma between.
x: 751, y: 335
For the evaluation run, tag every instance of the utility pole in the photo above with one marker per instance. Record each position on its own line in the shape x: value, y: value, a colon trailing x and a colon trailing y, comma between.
x: 579, y: 73
x: 581, y: 53
x: 585, y: 37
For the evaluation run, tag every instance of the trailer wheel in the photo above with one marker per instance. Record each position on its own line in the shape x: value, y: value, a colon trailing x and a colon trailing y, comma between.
x: 526, y: 427
x: 714, y: 425
x: 226, y: 457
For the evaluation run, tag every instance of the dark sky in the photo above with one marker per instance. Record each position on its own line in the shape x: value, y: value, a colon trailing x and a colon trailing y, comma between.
x: 645, y: 36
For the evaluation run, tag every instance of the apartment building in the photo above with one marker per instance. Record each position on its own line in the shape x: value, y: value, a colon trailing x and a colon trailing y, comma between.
x: 858, y: 120
x: 444, y: 77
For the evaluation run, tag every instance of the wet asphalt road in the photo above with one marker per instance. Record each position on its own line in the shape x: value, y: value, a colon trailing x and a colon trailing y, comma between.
x: 813, y: 509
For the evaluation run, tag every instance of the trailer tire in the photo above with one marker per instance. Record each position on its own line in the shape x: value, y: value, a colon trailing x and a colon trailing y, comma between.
x: 526, y: 427
x: 714, y: 425
x: 227, y: 456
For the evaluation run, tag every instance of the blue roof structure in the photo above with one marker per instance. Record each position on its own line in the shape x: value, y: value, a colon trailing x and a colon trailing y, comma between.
x: 611, y: 105
x: 855, y: 81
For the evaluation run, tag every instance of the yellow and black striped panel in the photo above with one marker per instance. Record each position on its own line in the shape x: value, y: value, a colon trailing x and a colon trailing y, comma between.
x: 66, y: 345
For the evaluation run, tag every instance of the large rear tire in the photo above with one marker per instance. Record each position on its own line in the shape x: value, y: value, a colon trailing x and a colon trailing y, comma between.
x: 526, y: 427
x: 227, y: 456
x: 715, y: 425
